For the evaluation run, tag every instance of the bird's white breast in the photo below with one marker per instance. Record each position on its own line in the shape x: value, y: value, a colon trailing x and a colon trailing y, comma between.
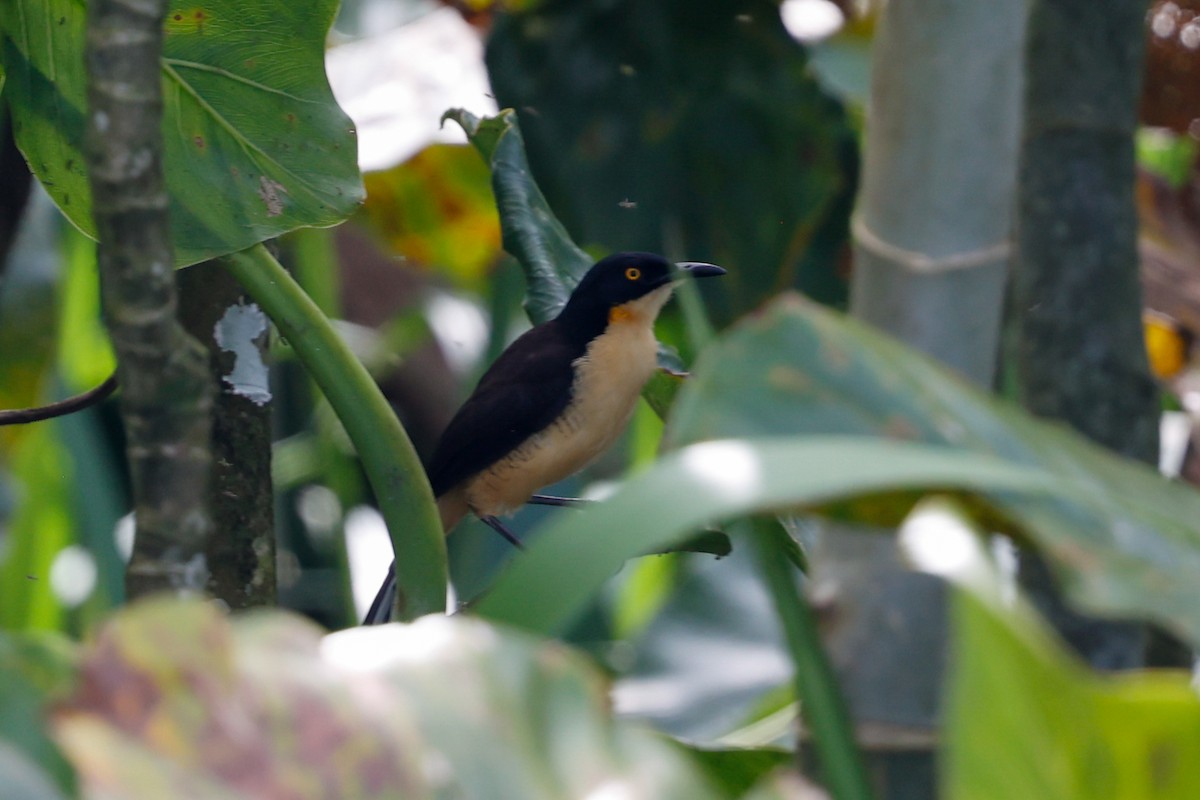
x: 609, y: 377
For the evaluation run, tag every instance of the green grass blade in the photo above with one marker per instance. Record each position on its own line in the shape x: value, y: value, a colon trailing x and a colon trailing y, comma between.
x: 822, y: 706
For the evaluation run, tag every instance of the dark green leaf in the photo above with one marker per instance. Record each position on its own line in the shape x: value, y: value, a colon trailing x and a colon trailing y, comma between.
x: 553, y: 263
x: 737, y: 770
x: 689, y: 128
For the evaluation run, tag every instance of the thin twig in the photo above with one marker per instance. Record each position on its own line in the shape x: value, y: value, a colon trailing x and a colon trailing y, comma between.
x: 23, y: 416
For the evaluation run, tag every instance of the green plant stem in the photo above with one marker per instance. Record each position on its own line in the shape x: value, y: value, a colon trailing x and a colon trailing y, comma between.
x: 314, y: 265
x: 388, y: 458
x: 823, y: 710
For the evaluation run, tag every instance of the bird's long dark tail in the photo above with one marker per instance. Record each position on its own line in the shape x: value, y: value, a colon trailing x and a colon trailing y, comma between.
x: 381, y: 609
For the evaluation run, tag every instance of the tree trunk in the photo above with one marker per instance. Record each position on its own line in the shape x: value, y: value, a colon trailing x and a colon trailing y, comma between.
x: 932, y: 240
x: 934, y: 220
x: 241, y: 554
x: 166, y: 393
x: 1081, y: 357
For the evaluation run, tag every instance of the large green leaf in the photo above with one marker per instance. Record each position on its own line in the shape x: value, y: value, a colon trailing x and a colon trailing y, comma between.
x: 568, y: 563
x: 175, y: 701
x: 1026, y: 720
x: 1123, y: 540
x: 1024, y: 717
x: 254, y: 143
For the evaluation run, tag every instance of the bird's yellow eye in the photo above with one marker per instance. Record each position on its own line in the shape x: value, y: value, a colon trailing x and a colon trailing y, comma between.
x: 633, y: 273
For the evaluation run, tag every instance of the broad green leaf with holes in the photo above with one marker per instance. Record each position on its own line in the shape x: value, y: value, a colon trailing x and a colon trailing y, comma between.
x: 255, y: 145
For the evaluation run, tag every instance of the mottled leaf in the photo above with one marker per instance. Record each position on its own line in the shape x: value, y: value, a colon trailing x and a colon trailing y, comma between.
x: 436, y: 209
x: 177, y: 701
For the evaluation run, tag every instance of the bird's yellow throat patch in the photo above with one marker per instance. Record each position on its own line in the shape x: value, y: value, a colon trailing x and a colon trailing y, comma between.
x: 621, y: 314
x: 641, y: 311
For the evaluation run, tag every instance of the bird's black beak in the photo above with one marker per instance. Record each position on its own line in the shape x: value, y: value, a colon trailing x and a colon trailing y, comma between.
x: 699, y: 269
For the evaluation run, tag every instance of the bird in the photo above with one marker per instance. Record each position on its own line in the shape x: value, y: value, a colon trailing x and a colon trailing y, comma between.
x: 554, y: 400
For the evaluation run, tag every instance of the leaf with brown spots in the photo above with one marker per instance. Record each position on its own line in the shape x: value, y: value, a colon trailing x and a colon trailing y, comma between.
x: 176, y: 701
x: 255, y: 144
x: 173, y: 701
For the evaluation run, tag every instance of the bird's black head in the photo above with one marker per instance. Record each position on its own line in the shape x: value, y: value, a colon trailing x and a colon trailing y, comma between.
x: 619, y: 279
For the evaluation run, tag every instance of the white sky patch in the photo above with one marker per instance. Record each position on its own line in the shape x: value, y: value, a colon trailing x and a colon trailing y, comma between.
x: 396, y: 86
x: 811, y: 20
x: 461, y: 329
x: 236, y: 332
x: 73, y: 575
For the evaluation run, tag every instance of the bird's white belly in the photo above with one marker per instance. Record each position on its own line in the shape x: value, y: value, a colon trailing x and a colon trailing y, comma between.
x: 609, y: 378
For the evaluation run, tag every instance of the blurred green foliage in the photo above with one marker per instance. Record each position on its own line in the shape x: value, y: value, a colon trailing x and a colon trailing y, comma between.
x: 697, y: 130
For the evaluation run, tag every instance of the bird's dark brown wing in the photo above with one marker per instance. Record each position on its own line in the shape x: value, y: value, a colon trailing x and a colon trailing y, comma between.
x: 525, y: 390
